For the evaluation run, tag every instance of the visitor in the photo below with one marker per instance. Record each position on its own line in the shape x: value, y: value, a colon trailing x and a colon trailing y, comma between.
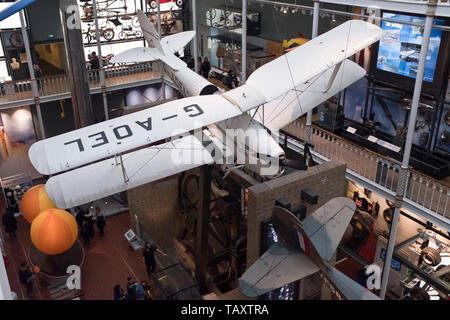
x: 87, y: 232
x: 119, y: 294
x: 228, y: 80
x: 199, y: 62
x: 149, y: 257
x: 26, y: 277
x: 205, y: 68
x: 95, y: 65
x: 101, y: 221
x: 147, y: 291
x: 79, y: 218
x: 10, y: 224
x: 131, y: 289
x: 139, y: 292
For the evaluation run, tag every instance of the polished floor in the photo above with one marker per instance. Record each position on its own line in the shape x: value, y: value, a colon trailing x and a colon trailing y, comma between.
x: 109, y: 261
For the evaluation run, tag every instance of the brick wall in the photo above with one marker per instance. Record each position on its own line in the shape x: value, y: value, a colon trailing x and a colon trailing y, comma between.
x: 155, y: 206
x: 327, y: 179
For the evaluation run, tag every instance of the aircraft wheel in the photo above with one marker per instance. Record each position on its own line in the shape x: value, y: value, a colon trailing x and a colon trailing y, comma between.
x: 431, y: 256
x: 179, y: 3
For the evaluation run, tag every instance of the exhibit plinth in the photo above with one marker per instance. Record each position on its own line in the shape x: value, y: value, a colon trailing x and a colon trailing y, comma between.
x: 53, y: 268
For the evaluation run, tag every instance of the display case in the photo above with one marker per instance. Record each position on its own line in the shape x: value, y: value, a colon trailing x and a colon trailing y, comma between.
x: 231, y: 19
x: 13, y: 188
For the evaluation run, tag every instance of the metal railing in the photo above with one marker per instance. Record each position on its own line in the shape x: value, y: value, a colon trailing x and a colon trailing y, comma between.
x: 422, y: 190
x: 59, y: 84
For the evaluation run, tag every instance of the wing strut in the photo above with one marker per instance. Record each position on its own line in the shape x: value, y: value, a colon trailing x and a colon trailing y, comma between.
x: 126, y: 179
x: 333, y: 76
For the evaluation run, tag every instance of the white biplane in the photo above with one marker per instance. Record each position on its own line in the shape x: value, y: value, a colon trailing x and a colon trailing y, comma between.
x: 119, y: 154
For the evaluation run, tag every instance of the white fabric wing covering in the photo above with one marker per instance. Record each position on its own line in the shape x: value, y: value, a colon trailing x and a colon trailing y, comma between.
x: 105, y: 178
x: 119, y: 135
x: 290, y: 106
x: 314, y: 57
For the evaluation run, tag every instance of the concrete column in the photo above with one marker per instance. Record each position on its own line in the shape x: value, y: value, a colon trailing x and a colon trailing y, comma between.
x: 102, y: 70
x: 76, y: 62
x: 194, y: 25
x: 315, y: 32
x: 158, y: 10
x: 402, y: 184
x: 34, y: 85
x: 244, y: 41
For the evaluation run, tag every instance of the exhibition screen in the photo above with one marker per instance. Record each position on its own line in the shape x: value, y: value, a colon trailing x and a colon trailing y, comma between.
x: 399, y: 50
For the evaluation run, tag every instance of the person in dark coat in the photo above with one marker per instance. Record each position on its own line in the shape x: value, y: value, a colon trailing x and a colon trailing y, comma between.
x: 131, y: 289
x: 147, y: 291
x: 88, y: 232
x: 149, y: 257
x: 205, y: 68
x: 26, y: 277
x: 10, y: 223
x: 101, y: 221
x: 79, y: 217
x: 119, y: 293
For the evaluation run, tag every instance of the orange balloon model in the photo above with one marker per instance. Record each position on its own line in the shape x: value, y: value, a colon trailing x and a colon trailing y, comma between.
x: 54, y: 231
x: 34, y: 201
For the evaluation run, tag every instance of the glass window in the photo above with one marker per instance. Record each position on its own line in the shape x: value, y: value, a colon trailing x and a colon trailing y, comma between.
x: 3, y: 71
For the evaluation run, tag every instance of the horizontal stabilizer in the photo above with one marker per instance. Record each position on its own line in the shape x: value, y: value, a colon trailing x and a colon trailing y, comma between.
x: 136, y: 55
x: 326, y: 226
x: 278, y: 266
x: 133, y: 169
x: 314, y: 57
x: 177, y: 41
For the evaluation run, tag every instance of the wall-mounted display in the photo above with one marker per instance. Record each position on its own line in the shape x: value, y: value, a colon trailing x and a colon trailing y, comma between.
x: 399, y: 51
x: 395, y: 58
x: 17, y: 135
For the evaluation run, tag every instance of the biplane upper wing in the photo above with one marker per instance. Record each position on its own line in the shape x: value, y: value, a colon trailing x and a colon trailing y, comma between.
x: 326, y: 226
x: 278, y: 266
x: 133, y: 169
x: 89, y: 144
x: 278, y: 113
x: 314, y: 57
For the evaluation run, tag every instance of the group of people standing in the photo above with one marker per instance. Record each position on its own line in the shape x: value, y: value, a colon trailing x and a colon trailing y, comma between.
x: 86, y: 223
x: 134, y: 291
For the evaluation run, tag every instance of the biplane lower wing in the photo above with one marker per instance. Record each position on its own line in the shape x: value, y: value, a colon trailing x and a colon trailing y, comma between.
x: 131, y: 170
x: 278, y: 266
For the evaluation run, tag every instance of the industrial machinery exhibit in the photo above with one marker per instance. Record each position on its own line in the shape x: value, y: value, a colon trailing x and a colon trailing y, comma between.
x: 248, y: 150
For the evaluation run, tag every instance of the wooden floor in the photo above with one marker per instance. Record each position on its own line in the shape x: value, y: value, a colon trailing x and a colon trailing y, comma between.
x: 109, y: 261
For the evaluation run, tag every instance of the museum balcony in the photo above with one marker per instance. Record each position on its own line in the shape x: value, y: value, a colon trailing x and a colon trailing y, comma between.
x: 55, y: 87
x: 425, y: 196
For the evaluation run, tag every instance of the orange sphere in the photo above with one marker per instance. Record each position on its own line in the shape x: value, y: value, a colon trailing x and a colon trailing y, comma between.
x: 34, y: 201
x: 54, y: 231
